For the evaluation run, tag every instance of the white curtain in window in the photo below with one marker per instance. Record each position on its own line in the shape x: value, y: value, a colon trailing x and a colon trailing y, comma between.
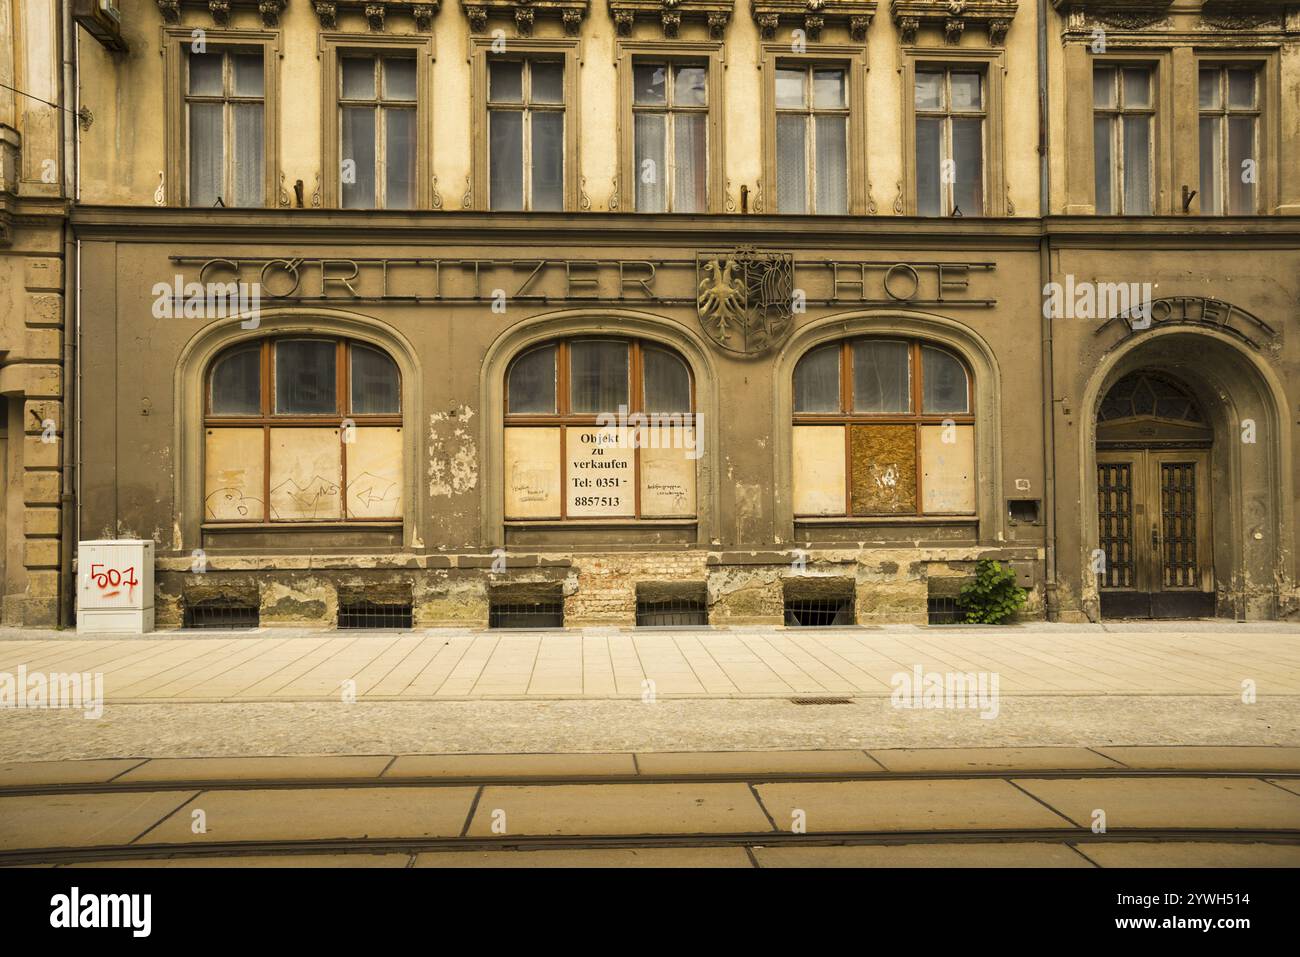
x: 506, y: 159
x: 399, y: 159
x: 359, y: 157
x: 791, y: 164
x: 832, y: 164
x: 651, y: 166
x: 690, y: 143
x: 548, y: 160
x: 206, y: 152
x: 250, y: 186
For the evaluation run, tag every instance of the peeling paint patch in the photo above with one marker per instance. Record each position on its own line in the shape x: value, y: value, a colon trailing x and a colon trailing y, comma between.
x: 453, y: 454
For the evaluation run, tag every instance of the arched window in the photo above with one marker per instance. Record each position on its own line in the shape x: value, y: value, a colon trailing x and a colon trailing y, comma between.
x: 883, y: 427
x: 599, y: 428
x: 302, y: 430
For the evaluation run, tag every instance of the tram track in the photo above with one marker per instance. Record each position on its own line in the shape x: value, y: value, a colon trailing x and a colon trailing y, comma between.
x: 710, y: 777
x: 350, y: 836
x: 524, y: 844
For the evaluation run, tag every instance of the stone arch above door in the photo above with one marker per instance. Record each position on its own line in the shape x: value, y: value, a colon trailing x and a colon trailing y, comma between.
x: 1251, y: 464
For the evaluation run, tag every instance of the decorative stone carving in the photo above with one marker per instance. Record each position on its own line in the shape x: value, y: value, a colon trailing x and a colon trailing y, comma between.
x: 1246, y: 14
x: 327, y: 13
x: 814, y: 17
x: 525, y: 13
x: 671, y: 14
x: 954, y: 16
x: 220, y: 10
x: 270, y: 11
x: 376, y: 12
x: 1082, y: 16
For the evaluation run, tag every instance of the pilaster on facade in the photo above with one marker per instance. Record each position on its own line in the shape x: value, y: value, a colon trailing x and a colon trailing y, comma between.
x: 812, y: 16
x: 525, y: 13
x: 953, y: 18
x: 671, y: 14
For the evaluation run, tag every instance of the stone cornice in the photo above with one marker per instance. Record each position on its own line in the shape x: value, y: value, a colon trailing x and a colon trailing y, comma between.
x: 671, y: 14
x: 953, y: 17
x: 812, y: 16
x: 524, y: 12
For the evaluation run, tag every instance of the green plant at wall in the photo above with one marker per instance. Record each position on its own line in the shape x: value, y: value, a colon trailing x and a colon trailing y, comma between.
x: 993, y: 597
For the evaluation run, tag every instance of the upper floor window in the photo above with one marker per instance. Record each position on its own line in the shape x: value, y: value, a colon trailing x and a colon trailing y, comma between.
x: 812, y: 139
x: 1123, y: 121
x: 950, y: 112
x: 377, y: 130
x: 225, y: 107
x: 526, y: 134
x: 670, y: 115
x: 883, y: 427
x: 302, y: 430
x: 1229, y: 115
x: 599, y: 429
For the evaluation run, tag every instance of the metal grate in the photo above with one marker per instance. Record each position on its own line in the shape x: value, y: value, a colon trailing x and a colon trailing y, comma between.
x: 823, y: 699
x: 818, y: 612
x: 541, y: 614
x: 1178, y: 516
x: 1115, y: 515
x: 370, y: 614
x: 672, y: 611
x: 221, y: 613
x: 942, y: 610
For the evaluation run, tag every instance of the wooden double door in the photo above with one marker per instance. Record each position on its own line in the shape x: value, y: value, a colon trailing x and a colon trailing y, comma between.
x: 1155, y: 558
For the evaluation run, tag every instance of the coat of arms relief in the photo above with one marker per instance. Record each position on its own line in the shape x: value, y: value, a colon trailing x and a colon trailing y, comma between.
x: 745, y: 298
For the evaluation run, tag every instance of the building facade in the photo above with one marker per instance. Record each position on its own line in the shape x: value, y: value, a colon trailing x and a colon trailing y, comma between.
x: 525, y: 312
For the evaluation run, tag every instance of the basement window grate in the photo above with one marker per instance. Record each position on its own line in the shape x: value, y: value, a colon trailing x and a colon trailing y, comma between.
x: 221, y: 613
x: 670, y: 612
x: 541, y: 614
x: 371, y: 614
x: 818, y: 612
x: 942, y: 610
x: 822, y: 699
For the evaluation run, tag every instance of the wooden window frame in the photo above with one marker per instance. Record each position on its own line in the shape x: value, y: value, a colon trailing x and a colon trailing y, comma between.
x: 915, y: 417
x: 946, y: 113
x: 175, y: 43
x: 1115, y: 116
x: 334, y: 47
x: 1267, y: 169
x: 853, y: 58
x: 563, y: 418
x: 566, y: 50
x: 267, y: 418
x: 1160, y: 63
x: 380, y: 106
x: 627, y: 54
x: 992, y: 63
x: 527, y: 107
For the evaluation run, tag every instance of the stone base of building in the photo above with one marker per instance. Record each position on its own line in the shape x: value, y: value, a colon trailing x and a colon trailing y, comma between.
x: 868, y: 587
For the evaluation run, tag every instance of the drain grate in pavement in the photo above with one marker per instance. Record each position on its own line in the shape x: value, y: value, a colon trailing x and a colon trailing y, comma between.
x: 822, y: 699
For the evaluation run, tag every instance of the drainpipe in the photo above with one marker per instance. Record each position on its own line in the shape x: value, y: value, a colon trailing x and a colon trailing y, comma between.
x: 1050, y: 598
x: 71, y: 308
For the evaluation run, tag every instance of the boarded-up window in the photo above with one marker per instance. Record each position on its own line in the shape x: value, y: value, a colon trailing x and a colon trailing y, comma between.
x: 303, y: 430
x: 882, y: 427
x: 600, y: 429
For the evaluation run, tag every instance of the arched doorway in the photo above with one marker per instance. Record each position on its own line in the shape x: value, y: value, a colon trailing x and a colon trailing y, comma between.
x: 1154, y: 500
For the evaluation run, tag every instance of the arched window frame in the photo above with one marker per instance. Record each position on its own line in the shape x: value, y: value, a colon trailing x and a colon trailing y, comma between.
x: 565, y: 418
x: 917, y: 416
x: 341, y: 417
